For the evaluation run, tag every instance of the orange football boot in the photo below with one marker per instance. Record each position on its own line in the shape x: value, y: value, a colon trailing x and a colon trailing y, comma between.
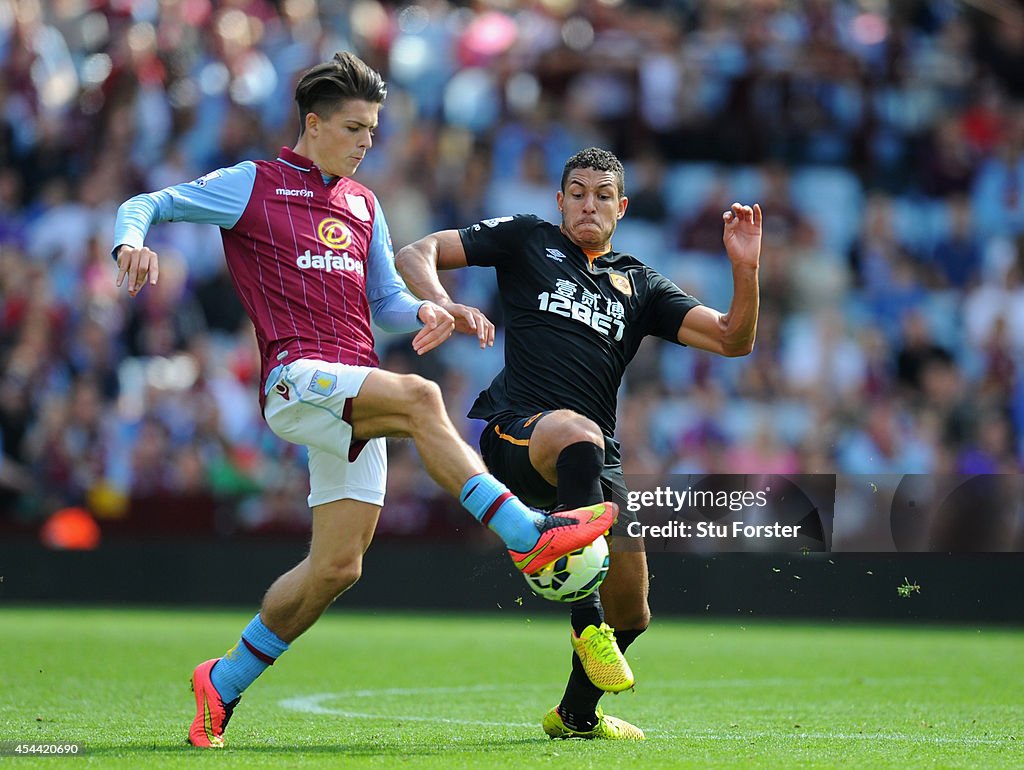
x: 212, y: 713
x: 564, y: 532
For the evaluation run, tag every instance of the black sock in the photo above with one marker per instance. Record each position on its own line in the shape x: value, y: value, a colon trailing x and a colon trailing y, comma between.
x: 579, y: 703
x: 579, y: 483
x: 586, y: 612
x: 579, y: 469
x: 626, y: 638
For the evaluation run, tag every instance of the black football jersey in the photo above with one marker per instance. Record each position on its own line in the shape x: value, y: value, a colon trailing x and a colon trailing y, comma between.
x: 571, y: 327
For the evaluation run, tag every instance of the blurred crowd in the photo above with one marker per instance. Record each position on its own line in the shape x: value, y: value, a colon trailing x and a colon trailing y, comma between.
x: 883, y: 138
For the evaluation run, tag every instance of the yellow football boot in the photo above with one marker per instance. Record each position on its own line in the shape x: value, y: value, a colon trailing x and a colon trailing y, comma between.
x: 601, y: 658
x: 607, y: 728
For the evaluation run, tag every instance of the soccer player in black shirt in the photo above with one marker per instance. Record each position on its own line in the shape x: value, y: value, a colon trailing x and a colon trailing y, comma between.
x: 575, y: 314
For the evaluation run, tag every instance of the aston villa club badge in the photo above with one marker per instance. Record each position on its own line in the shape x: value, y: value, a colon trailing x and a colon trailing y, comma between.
x: 357, y: 205
x: 621, y: 283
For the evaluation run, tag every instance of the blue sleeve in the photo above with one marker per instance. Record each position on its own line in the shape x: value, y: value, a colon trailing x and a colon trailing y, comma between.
x: 219, y: 198
x: 393, y: 308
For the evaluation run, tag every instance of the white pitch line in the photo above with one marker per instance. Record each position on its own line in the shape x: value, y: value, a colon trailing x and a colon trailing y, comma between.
x: 314, y: 704
x: 830, y: 681
x: 311, y: 704
x: 742, y: 736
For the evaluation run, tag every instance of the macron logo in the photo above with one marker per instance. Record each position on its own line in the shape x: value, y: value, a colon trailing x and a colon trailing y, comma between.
x: 329, y: 262
x: 287, y: 192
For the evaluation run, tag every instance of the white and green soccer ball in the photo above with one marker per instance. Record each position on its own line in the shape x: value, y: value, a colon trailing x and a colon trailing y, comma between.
x: 573, y: 576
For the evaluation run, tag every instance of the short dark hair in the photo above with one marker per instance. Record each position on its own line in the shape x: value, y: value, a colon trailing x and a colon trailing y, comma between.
x: 599, y: 160
x: 323, y: 89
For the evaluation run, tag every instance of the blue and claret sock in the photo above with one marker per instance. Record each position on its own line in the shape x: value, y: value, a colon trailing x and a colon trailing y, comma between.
x: 258, y: 648
x: 490, y: 503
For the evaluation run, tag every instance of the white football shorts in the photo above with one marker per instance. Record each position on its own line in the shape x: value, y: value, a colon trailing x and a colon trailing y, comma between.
x: 309, y: 402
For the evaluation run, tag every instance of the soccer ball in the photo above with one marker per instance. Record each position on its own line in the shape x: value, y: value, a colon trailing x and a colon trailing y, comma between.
x: 574, y: 575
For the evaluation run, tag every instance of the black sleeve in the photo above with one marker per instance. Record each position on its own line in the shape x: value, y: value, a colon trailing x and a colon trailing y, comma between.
x: 665, y: 307
x: 493, y: 241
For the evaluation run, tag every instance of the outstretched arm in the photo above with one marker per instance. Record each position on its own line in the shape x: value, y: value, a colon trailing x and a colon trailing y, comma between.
x: 219, y: 198
x: 135, y: 261
x: 418, y: 264
x: 732, y: 333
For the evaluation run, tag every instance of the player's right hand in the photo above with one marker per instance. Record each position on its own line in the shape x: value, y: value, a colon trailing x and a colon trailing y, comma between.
x: 438, y: 326
x: 138, y: 264
x: 471, y: 320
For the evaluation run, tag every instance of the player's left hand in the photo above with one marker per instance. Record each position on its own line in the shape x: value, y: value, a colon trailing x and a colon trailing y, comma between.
x: 438, y: 326
x: 742, y: 236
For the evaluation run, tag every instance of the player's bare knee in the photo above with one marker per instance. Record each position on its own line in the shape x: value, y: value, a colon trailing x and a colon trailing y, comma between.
x: 337, y: 576
x: 421, y: 396
x: 564, y: 427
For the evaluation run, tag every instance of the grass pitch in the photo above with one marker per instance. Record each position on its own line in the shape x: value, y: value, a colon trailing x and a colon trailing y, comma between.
x: 385, y: 690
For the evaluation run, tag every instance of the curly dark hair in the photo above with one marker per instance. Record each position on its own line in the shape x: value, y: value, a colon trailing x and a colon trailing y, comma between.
x: 323, y: 89
x: 599, y: 160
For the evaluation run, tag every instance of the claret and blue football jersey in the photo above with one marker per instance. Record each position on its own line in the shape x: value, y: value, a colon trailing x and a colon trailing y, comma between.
x: 310, y: 256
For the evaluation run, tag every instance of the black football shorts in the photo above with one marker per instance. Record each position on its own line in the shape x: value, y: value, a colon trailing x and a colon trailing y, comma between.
x: 505, y: 446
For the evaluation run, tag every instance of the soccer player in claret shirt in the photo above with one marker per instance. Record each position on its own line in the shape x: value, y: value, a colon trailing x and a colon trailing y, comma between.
x: 310, y: 255
x: 575, y: 313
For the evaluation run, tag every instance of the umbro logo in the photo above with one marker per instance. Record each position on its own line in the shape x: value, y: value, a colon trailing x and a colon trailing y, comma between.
x: 555, y: 254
